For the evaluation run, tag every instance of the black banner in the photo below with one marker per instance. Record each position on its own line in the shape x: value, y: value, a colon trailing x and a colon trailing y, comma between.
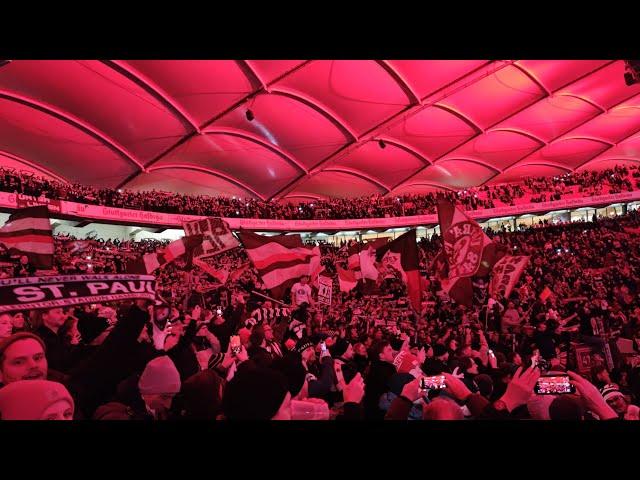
x: 64, y: 290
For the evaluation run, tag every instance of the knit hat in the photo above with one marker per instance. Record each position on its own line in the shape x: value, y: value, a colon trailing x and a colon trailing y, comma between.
x: 201, y: 399
x: 290, y: 365
x: 405, y: 362
x: 485, y: 384
x: 159, y: 376
x: 7, y: 342
x: 91, y: 326
x: 28, y: 399
x: 338, y: 348
x: 566, y: 407
x: 215, y: 360
x: 610, y: 391
x: 254, y: 394
x: 113, y: 411
x: 303, y: 344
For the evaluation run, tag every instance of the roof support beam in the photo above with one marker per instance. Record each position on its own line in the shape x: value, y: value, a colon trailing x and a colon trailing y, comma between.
x: 210, y: 171
x: 73, y: 121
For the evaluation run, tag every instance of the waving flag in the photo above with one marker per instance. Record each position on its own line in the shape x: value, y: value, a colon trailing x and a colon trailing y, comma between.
x: 280, y: 260
x: 347, y: 280
x: 28, y: 232
x: 468, y: 252
x: 401, y: 255
x: 152, y: 261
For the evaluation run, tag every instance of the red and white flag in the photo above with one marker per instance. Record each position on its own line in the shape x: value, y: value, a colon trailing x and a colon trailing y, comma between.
x: 280, y: 260
x: 221, y: 275
x: 28, y: 232
x: 347, y: 279
x: 152, y: 261
x: 468, y: 251
x: 506, y: 273
x: 401, y: 255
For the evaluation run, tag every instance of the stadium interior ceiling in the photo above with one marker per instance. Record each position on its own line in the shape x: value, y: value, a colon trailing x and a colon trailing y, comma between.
x: 300, y: 130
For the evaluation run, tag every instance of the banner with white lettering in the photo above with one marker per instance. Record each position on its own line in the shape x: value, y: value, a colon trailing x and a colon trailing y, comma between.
x: 506, y: 273
x: 175, y: 220
x: 325, y: 286
x: 64, y: 290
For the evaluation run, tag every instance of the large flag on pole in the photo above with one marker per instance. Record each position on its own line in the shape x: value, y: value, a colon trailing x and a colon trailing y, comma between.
x: 28, y: 232
x: 152, y: 261
x: 401, y: 255
x: 468, y: 251
x: 280, y: 260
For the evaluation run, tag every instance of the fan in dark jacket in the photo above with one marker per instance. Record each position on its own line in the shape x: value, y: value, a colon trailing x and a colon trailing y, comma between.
x: 377, y: 379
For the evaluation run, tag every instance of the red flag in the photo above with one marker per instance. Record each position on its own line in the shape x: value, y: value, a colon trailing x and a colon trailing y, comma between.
x: 401, y: 255
x: 546, y: 293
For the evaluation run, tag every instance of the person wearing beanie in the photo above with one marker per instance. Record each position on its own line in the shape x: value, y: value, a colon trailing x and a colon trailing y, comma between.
x: 376, y: 381
x: 566, y: 407
x: 485, y: 385
x: 31, y: 349
x: 257, y: 394
x: 616, y: 400
x: 36, y: 400
x: 158, y: 384
x: 320, y: 374
x: 343, y: 365
x: 290, y: 365
x: 201, y: 396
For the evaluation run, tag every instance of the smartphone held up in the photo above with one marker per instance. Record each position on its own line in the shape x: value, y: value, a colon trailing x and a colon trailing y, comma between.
x: 436, y: 382
x: 554, y: 385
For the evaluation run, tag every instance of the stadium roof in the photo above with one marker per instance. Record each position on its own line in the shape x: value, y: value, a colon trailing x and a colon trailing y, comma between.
x: 316, y: 128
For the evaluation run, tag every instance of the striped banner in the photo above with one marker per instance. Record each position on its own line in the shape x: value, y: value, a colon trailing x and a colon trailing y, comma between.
x: 28, y: 232
x: 280, y: 260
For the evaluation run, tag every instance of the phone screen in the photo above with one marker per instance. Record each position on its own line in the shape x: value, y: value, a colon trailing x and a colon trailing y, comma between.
x: 554, y: 385
x: 435, y: 382
x: 323, y: 346
x: 235, y: 343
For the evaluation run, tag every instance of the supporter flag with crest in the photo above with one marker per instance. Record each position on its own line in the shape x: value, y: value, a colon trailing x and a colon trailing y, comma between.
x: 28, y: 232
x: 467, y: 251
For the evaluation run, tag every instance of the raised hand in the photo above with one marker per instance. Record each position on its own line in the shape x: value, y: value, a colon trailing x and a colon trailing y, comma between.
x: 354, y: 390
x: 520, y: 388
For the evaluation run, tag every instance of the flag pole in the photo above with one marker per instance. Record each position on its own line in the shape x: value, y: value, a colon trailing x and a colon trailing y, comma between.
x: 270, y: 298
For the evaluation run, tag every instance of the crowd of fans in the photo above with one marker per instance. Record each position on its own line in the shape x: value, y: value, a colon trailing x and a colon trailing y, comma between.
x: 208, y: 349
x: 585, y: 183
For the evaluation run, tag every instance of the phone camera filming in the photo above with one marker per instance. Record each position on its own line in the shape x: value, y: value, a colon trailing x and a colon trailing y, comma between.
x: 554, y: 385
x: 432, y: 383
